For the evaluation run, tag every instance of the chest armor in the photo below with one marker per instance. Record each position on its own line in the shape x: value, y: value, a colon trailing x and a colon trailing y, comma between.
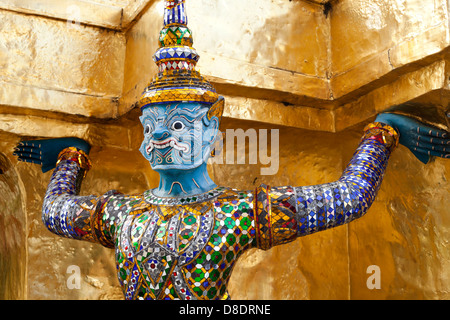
x: 184, y: 251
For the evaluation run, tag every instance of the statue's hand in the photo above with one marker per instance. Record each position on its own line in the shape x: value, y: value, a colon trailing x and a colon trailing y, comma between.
x: 422, y: 140
x: 45, y: 152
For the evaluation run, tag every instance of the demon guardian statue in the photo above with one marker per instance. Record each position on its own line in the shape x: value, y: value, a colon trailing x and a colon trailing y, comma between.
x: 182, y: 239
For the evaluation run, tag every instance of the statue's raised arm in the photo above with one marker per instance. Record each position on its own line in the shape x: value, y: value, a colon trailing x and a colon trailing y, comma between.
x: 64, y: 211
x: 285, y: 213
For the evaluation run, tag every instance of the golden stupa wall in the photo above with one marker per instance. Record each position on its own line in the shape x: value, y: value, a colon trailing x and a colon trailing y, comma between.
x: 315, y: 70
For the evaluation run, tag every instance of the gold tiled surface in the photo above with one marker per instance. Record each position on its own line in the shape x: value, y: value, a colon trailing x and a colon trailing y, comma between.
x: 293, y: 54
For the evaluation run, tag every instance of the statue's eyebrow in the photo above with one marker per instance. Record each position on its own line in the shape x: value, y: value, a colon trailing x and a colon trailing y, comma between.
x: 185, y: 113
x: 153, y: 113
x: 170, y: 109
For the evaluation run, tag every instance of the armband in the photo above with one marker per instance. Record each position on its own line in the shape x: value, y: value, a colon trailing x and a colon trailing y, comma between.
x: 383, y: 133
x: 77, y: 155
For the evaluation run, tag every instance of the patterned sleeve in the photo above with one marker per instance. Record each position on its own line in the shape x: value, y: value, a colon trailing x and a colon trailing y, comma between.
x: 89, y: 218
x: 285, y: 213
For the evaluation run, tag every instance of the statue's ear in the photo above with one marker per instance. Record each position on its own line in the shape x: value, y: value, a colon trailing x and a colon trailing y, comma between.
x: 212, y: 120
x: 216, y: 109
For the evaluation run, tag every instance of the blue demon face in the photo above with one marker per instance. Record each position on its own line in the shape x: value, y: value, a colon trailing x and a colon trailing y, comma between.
x: 177, y: 136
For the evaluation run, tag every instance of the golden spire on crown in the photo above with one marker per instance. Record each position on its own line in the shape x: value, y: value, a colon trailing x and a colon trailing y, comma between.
x: 177, y: 80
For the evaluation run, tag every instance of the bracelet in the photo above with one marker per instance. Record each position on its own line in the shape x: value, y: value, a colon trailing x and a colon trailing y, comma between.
x: 77, y: 155
x: 383, y: 133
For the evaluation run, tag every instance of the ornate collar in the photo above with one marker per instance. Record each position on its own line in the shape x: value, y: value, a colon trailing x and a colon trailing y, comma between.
x: 173, y: 201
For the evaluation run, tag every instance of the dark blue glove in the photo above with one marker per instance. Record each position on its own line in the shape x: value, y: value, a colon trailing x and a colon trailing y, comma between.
x: 45, y: 152
x: 422, y: 140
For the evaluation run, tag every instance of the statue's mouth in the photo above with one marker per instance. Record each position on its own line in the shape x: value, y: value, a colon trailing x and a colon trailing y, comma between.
x: 169, y: 142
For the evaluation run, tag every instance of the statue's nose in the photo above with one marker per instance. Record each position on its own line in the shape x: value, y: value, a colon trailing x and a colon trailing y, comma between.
x: 160, y: 133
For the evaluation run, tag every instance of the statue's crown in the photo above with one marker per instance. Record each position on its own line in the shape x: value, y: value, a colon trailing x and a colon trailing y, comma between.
x: 177, y: 80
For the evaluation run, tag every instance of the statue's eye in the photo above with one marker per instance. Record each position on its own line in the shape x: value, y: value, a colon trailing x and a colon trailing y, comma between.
x: 178, y: 125
x: 147, y: 129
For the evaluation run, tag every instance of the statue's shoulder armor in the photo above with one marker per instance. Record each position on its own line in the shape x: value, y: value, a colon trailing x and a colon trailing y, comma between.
x: 139, y: 205
x: 128, y: 204
x: 230, y: 194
